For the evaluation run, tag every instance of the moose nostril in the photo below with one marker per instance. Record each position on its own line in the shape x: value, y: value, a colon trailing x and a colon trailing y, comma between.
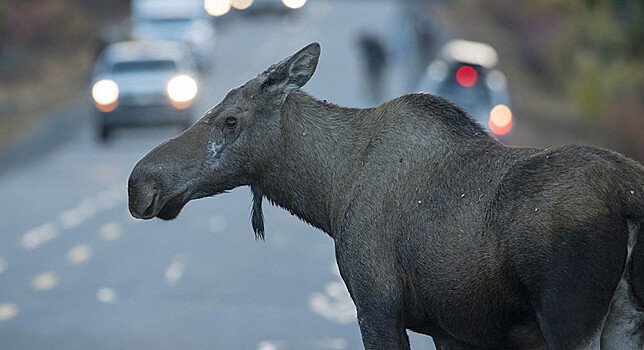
x: 150, y: 205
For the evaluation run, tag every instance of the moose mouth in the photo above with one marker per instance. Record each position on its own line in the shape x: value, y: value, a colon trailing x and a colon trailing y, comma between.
x: 166, y: 210
x: 172, y: 208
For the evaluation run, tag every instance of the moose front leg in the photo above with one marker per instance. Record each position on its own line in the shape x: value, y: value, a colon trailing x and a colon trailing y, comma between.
x: 381, y: 324
x: 376, y: 291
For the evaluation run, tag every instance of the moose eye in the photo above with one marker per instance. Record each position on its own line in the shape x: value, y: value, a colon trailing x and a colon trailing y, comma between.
x: 231, y: 123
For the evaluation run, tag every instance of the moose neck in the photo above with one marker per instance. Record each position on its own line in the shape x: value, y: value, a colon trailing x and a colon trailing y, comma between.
x: 313, y: 156
x: 325, y: 155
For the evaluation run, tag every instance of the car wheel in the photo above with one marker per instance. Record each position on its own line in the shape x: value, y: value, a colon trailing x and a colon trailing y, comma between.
x: 104, y: 133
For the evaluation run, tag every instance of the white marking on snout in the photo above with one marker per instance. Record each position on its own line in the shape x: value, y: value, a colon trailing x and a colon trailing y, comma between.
x: 215, y: 148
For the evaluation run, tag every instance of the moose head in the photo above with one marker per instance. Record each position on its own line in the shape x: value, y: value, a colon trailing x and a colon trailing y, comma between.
x: 228, y: 147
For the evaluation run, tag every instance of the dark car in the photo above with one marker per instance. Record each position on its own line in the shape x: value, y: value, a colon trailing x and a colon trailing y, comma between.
x: 465, y: 75
x: 186, y: 21
x: 144, y: 83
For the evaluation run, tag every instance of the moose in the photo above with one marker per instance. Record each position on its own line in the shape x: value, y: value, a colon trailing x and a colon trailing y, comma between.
x: 438, y: 227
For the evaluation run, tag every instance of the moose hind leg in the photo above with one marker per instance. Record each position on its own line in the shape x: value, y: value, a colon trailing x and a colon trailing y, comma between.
x: 572, y: 298
x: 624, y: 328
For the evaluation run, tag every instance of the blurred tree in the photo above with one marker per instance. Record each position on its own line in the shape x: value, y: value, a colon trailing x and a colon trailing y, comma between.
x: 1, y: 21
x: 47, y: 49
x: 594, y: 49
x: 32, y: 31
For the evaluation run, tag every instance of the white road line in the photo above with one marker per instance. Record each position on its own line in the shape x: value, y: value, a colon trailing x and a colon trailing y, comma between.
x: 71, y: 218
x: 74, y: 217
x: 267, y: 345
x: 44, y: 281
x: 111, y: 231
x: 175, y: 271
x: 323, y: 343
x: 39, y: 235
x: 79, y: 254
x: 8, y: 311
x: 106, y: 296
x: 334, y: 303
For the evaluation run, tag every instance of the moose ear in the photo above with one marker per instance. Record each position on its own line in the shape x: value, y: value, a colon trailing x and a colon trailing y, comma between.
x: 293, y: 72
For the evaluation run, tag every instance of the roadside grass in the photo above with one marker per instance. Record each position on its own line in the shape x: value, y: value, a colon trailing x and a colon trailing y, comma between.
x: 53, y: 81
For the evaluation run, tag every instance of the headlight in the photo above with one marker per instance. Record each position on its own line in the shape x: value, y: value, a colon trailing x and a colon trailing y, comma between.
x: 182, y: 89
x: 217, y: 7
x: 241, y: 4
x: 294, y: 4
x: 500, y: 122
x: 106, y: 94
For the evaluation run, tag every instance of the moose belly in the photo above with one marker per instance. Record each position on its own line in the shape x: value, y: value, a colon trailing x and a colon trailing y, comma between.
x: 470, y: 305
x: 477, y: 323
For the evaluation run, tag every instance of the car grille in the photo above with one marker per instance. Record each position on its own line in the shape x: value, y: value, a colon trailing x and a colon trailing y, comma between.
x: 143, y: 100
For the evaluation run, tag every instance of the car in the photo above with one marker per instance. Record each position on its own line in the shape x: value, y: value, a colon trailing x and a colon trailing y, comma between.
x: 221, y: 7
x: 184, y: 21
x: 144, y: 83
x: 150, y: 9
x: 465, y: 74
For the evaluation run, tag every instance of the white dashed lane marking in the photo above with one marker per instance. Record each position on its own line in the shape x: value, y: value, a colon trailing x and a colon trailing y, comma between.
x: 79, y: 254
x: 111, y: 231
x: 71, y: 218
x: 44, y: 281
x: 334, y: 303
x: 267, y: 345
x: 106, y: 296
x: 8, y: 311
x: 175, y: 271
x: 39, y: 235
x: 324, y: 343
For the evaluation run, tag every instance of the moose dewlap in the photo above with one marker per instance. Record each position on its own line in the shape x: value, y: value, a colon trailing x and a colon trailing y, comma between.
x: 438, y: 228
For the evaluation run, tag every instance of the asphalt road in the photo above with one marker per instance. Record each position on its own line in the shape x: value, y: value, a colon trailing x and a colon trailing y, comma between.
x: 77, y: 272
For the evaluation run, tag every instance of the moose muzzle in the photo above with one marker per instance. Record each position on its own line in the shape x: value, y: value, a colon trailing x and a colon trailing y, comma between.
x: 163, y: 181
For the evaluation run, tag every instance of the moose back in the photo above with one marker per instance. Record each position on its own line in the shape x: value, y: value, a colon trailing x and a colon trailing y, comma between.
x: 438, y: 228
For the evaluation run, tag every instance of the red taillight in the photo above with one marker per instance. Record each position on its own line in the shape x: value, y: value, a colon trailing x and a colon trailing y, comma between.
x: 500, y: 121
x: 467, y: 76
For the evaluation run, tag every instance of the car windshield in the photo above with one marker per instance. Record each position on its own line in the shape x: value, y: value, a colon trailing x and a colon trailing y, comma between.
x: 144, y: 66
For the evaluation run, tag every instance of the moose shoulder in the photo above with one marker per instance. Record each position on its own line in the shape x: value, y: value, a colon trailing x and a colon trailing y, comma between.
x: 438, y: 228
